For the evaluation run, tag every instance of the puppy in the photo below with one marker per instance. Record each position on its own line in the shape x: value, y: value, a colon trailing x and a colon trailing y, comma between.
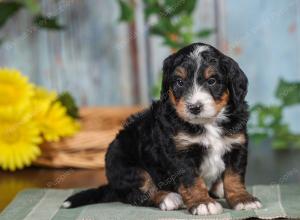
x: 189, y: 146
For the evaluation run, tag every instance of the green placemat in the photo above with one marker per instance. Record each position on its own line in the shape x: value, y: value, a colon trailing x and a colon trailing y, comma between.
x: 43, y: 204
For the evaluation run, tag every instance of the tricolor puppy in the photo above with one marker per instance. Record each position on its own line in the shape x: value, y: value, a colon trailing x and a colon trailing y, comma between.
x: 187, y: 148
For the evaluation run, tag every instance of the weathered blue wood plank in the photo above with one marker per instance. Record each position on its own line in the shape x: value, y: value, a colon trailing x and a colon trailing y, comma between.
x: 264, y: 37
x: 85, y: 59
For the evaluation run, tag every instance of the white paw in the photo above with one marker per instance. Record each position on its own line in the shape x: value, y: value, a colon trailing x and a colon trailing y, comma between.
x: 207, y: 209
x: 248, y: 205
x: 66, y: 204
x: 171, y: 202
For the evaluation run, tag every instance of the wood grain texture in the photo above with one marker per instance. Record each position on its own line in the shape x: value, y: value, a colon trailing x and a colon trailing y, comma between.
x: 89, y: 58
x: 264, y: 38
x: 87, y: 148
x: 12, y: 183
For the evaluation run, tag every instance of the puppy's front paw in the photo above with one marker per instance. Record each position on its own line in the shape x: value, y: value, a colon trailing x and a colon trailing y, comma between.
x: 248, y: 205
x: 247, y: 202
x: 207, y: 209
x: 172, y: 201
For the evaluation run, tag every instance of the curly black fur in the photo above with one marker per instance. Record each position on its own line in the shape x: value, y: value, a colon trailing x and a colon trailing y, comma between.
x: 146, y: 143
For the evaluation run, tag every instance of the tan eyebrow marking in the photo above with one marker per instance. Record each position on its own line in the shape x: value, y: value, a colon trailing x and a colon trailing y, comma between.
x: 180, y: 71
x: 209, y: 71
x: 219, y: 104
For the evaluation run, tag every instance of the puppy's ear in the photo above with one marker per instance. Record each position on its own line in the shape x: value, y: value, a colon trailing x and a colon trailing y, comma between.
x: 167, y: 71
x: 237, y: 81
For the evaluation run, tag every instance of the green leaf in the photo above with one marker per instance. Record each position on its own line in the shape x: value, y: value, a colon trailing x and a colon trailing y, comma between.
x: 157, y: 87
x: 185, y: 21
x: 258, y: 137
x: 187, y: 38
x: 68, y: 101
x: 190, y: 6
x: 164, y: 28
x: 127, y: 11
x: 151, y: 2
x: 256, y: 107
x: 168, y: 25
x: 47, y: 22
x: 151, y: 7
x: 157, y: 30
x: 267, y: 116
x: 33, y: 6
x: 7, y: 10
x: 279, y: 144
x: 150, y: 11
x: 270, y: 118
x: 296, y: 143
x: 204, y: 33
x: 288, y: 92
x: 171, y: 7
x: 179, y: 6
x: 171, y: 43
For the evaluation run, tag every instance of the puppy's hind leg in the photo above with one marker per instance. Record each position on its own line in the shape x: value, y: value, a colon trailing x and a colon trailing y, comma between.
x: 165, y: 200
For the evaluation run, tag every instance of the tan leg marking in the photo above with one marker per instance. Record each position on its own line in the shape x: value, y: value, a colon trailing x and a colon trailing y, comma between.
x: 197, y: 199
x: 195, y: 194
x: 163, y: 199
x: 236, y: 193
x: 148, y: 184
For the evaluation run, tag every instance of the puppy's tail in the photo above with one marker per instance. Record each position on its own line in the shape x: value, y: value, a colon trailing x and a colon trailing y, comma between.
x: 99, y: 195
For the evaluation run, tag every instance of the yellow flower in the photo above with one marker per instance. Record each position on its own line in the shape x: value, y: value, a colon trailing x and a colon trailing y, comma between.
x: 19, y: 139
x: 15, y: 91
x: 51, y: 116
x: 28, y: 113
x: 43, y: 94
x: 41, y: 102
x: 56, y: 123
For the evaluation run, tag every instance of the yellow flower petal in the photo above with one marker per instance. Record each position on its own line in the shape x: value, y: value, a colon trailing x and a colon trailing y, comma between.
x: 26, y: 112
x: 19, y: 139
x: 15, y: 91
x: 41, y: 102
x: 56, y: 123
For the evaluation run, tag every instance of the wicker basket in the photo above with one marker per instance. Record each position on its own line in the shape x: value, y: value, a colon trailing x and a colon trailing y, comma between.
x: 99, y: 126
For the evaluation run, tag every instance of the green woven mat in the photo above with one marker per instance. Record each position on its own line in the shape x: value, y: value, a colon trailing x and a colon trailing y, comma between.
x: 44, y: 204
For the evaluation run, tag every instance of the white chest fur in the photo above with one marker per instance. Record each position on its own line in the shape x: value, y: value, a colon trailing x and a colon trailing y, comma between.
x: 217, y: 145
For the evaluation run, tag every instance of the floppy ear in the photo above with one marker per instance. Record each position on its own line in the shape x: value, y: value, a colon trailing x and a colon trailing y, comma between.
x: 167, y: 69
x: 237, y: 81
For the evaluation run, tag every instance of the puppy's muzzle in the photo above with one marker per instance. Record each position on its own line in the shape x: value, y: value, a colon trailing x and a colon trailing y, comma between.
x: 195, y: 109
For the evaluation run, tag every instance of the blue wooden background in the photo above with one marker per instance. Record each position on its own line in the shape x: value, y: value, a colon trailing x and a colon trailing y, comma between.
x: 91, y: 57
x: 264, y: 37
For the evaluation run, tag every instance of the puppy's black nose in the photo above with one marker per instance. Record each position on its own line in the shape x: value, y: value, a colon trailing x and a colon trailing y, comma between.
x: 195, y: 108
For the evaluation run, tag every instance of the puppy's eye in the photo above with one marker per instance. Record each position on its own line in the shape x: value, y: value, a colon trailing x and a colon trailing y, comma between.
x: 211, y: 81
x: 179, y: 82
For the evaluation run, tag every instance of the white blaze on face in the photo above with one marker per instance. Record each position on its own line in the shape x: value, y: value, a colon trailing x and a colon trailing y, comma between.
x: 198, y: 93
x: 196, y: 53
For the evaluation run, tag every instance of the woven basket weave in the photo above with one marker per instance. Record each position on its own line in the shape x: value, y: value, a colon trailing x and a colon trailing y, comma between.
x: 99, y: 126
